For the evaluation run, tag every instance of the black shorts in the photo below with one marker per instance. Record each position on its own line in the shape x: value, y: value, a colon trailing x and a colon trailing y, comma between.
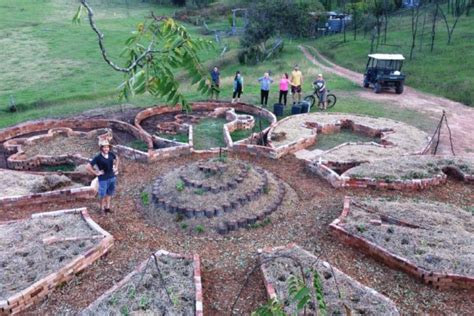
x: 295, y: 89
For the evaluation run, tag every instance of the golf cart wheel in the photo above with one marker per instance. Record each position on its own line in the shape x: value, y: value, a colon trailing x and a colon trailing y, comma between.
x: 310, y: 99
x: 331, y: 100
x: 377, y: 87
x: 366, y: 83
x: 399, y: 88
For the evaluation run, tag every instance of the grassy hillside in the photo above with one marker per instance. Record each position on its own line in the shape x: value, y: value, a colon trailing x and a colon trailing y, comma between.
x: 55, y: 68
x: 448, y: 71
x: 47, y: 59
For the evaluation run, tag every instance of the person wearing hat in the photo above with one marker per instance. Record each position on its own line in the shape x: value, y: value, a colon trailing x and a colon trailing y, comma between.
x: 107, y: 169
x: 320, y: 84
x: 296, y: 83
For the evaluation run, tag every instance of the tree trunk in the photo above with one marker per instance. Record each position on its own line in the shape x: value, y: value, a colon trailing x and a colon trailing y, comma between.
x: 422, y: 32
x: 415, y: 13
x: 433, y: 27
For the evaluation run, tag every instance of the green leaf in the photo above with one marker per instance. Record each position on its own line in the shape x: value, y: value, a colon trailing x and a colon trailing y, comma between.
x: 76, y: 19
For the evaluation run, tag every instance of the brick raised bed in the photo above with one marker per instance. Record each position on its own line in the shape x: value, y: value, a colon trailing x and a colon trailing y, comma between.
x: 62, y: 195
x: 34, y: 127
x: 32, y: 294
x: 103, y: 303
x: 300, y: 131
x: 236, y: 121
x: 419, y: 179
x: 439, y: 279
x: 340, y: 290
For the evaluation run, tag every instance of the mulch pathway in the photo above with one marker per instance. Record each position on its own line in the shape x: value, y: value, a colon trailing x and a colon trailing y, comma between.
x: 227, y: 260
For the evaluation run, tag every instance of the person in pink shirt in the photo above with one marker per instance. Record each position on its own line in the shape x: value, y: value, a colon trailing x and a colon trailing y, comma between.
x: 284, y: 85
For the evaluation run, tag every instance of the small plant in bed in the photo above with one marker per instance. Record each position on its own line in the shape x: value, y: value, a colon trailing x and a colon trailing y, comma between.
x: 145, y: 198
x: 180, y: 185
x: 67, y: 167
x: 138, y: 144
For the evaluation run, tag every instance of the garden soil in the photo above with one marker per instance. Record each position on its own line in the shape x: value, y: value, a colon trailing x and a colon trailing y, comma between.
x: 227, y: 260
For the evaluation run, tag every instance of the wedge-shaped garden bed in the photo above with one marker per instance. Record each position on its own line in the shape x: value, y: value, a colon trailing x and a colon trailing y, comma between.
x: 164, y: 284
x: 428, y: 240
x: 405, y: 172
x: 39, y: 253
x: 338, y: 292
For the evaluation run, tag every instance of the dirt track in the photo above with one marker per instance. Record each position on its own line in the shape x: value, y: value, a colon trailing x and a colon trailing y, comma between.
x: 459, y: 116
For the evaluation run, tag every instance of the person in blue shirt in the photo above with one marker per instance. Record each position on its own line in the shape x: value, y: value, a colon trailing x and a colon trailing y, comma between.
x: 265, y: 83
x: 215, y: 83
x: 107, y: 169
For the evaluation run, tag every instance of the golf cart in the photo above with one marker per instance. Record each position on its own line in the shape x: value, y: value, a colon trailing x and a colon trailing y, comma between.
x: 383, y: 71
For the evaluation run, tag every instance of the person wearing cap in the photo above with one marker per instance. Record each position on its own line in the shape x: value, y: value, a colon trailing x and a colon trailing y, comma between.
x: 107, y: 169
x: 320, y: 84
x: 296, y: 83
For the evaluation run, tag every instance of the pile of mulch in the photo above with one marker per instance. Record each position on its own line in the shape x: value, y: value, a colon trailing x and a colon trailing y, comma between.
x: 21, y: 183
x: 228, y: 260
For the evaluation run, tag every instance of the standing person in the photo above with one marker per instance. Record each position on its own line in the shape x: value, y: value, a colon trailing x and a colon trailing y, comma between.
x: 107, y: 164
x: 265, y: 82
x: 284, y: 85
x: 215, y: 82
x: 238, y: 87
x: 320, y: 84
x: 296, y: 83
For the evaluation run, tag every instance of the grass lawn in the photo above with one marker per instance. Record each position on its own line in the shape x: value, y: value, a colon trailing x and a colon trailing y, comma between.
x: 447, y: 71
x: 54, y: 68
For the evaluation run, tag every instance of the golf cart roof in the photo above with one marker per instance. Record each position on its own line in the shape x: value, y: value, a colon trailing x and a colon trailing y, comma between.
x: 387, y: 56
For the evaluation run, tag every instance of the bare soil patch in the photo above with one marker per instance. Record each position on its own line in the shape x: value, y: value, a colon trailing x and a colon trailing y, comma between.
x: 435, y: 236
x: 25, y: 257
x: 341, y: 292
x: 164, y: 287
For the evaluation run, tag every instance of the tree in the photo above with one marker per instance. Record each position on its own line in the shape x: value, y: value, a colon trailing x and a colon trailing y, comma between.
x: 415, y: 14
x: 155, y: 52
x: 433, y: 25
x: 458, y: 8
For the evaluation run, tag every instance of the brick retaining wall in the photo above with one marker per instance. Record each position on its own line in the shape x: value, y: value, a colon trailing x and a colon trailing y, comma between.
x: 196, y: 280
x: 439, y: 280
x: 35, y: 292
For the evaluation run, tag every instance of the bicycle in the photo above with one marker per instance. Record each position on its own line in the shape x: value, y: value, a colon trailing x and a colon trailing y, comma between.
x: 330, y: 99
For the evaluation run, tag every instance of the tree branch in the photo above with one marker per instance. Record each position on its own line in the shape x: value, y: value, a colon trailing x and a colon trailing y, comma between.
x: 100, y: 37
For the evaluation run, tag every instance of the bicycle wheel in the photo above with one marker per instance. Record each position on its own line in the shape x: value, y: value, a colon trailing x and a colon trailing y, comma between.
x: 331, y: 99
x: 310, y: 99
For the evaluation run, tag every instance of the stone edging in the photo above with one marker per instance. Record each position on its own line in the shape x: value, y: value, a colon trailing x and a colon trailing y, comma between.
x: 270, y: 288
x: 82, y: 193
x: 197, y: 281
x: 437, y: 279
x: 43, y: 287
